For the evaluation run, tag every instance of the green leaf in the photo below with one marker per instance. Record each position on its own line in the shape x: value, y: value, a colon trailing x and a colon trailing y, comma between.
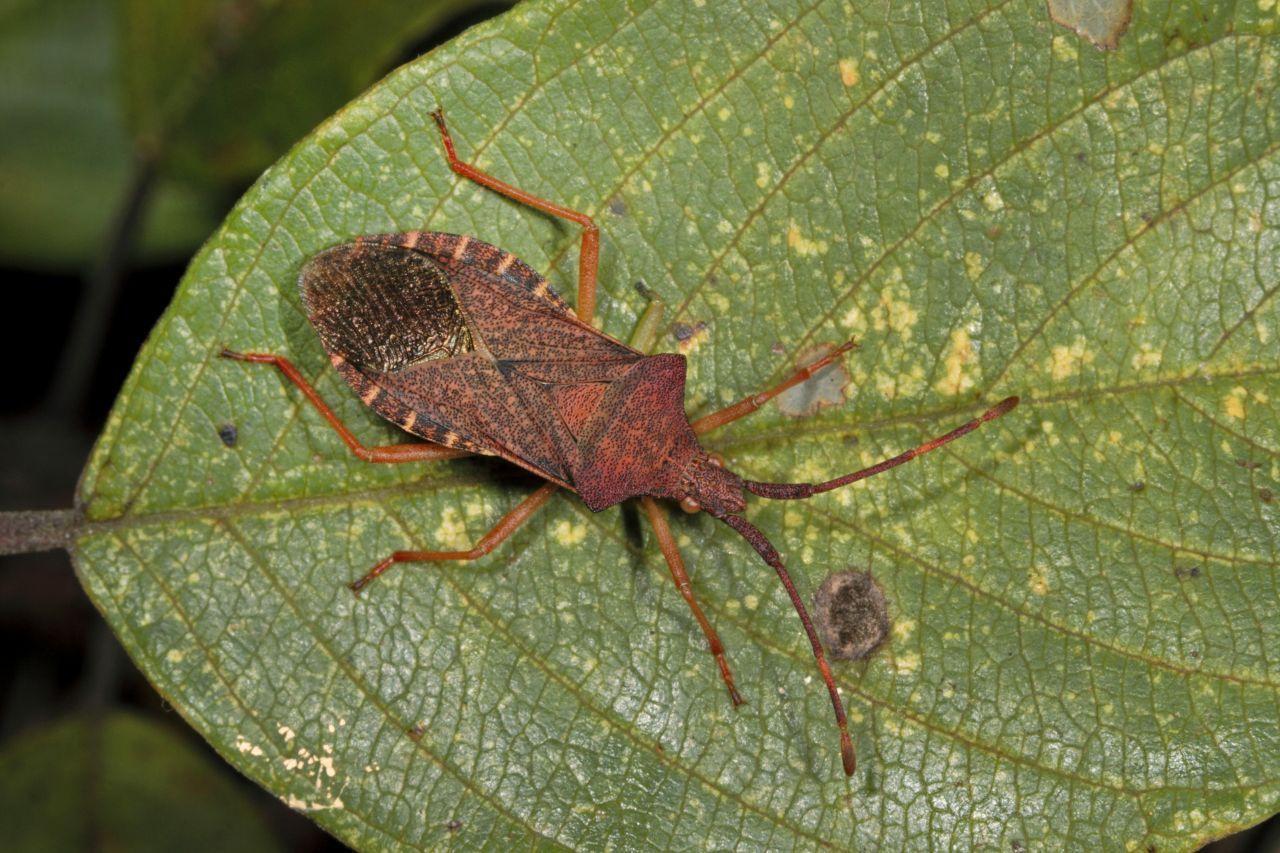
x: 121, y: 783
x: 1084, y: 651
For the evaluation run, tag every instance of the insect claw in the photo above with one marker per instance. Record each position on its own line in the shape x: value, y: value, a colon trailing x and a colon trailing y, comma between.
x: 227, y: 352
x: 847, y: 756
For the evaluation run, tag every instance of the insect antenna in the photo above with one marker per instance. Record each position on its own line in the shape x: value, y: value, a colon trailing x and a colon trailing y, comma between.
x: 770, y: 555
x: 797, y: 491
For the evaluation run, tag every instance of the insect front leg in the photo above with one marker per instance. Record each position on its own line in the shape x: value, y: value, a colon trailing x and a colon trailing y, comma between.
x: 643, y: 338
x: 588, y: 257
x: 747, y: 405
x: 388, y: 453
x: 667, y: 542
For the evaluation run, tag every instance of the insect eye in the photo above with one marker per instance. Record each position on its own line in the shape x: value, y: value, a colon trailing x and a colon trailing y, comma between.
x: 690, y: 505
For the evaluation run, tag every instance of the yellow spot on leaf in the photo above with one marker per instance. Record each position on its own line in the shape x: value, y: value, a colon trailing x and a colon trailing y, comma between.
x: 895, y: 315
x: 802, y: 244
x: 1233, y: 403
x: 974, y: 265
x: 1146, y: 357
x: 849, y: 72
x: 1067, y: 360
x: 908, y: 663
x: 1037, y: 580
x: 245, y: 746
x: 568, y: 534
x: 452, y: 532
x: 960, y: 354
x: 763, y: 175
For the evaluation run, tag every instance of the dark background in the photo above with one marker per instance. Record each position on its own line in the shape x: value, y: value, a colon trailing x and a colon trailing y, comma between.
x: 60, y: 659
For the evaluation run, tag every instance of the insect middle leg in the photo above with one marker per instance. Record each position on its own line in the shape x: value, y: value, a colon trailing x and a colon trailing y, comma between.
x: 495, y: 537
x: 588, y: 257
x: 415, y: 451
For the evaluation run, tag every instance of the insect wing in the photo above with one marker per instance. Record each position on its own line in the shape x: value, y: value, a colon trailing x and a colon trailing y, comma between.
x: 460, y: 343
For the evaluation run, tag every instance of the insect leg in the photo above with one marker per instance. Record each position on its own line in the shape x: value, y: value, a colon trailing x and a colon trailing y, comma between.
x: 645, y: 334
x: 495, y: 537
x: 588, y: 257
x: 408, y: 452
x: 747, y: 405
x: 667, y: 542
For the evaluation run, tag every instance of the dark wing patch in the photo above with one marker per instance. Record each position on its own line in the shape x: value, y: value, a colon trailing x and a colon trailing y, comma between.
x: 383, y: 307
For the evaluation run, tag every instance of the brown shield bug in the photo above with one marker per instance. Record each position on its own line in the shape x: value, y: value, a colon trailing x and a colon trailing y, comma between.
x: 464, y: 345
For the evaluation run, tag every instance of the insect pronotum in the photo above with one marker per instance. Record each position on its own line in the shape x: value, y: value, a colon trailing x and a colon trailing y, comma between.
x: 464, y: 345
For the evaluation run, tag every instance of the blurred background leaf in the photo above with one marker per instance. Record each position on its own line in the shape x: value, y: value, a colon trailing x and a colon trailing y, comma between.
x: 122, y: 782
x: 102, y: 98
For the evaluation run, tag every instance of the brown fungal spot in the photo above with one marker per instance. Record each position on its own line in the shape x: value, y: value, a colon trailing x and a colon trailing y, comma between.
x: 1248, y: 465
x: 454, y: 825
x: 1266, y: 495
x: 228, y: 434
x: 1101, y: 22
x: 852, y: 615
x: 1186, y: 572
x: 1138, y: 486
x: 685, y: 331
x: 689, y: 336
x: 617, y: 206
x: 415, y: 734
x: 825, y: 388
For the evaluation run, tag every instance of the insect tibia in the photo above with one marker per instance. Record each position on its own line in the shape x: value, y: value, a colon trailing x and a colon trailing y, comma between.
x: 799, y: 491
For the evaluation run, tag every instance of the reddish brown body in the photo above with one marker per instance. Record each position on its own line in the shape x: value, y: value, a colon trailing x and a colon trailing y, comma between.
x: 462, y: 344
x: 475, y: 351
